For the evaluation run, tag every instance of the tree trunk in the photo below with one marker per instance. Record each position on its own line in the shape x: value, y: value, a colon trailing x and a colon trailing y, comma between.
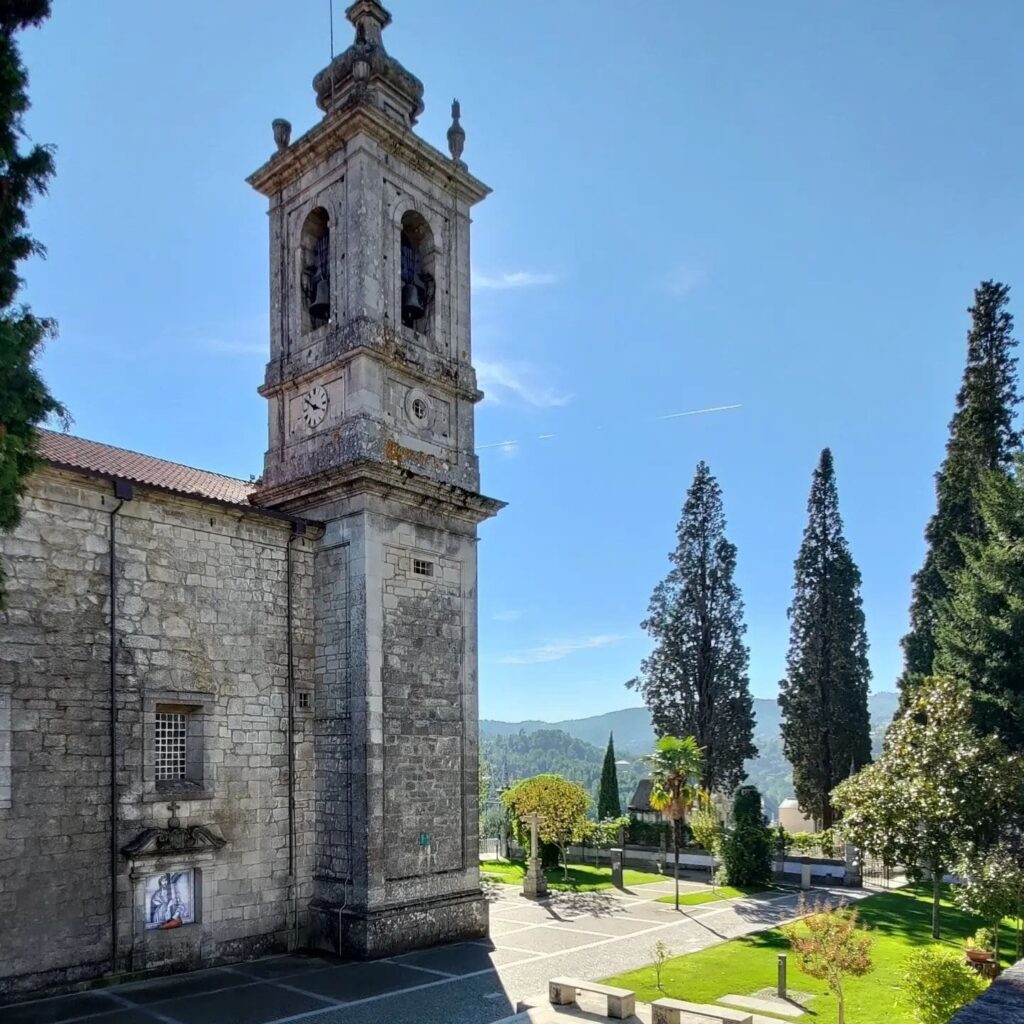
x: 565, y: 864
x: 936, y: 901
x: 995, y: 930
x: 675, y: 844
x: 842, y: 1008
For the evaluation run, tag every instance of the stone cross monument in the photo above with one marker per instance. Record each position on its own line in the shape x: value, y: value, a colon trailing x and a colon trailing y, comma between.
x: 535, y: 884
x: 371, y: 392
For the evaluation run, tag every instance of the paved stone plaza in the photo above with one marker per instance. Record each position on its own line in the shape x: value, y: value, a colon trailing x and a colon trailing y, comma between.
x: 591, y: 935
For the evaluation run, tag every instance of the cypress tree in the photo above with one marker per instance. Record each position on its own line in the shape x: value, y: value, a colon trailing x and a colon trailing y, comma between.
x: 981, y: 438
x: 826, y: 731
x: 695, y: 682
x: 609, y: 804
x: 25, y: 401
x: 979, y: 628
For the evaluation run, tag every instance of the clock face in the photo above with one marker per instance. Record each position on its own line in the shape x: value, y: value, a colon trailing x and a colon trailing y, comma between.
x: 314, y: 406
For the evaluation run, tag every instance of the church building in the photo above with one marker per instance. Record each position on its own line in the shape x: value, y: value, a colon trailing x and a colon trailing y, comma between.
x: 239, y: 718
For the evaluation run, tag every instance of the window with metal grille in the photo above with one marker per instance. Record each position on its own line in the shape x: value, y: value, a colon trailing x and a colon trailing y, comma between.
x: 422, y: 568
x: 169, y: 746
x: 304, y: 699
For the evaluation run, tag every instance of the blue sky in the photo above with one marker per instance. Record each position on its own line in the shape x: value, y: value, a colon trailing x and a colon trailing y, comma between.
x: 782, y: 206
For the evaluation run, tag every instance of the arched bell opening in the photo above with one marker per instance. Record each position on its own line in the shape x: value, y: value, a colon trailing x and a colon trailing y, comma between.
x: 315, y: 271
x: 417, y: 271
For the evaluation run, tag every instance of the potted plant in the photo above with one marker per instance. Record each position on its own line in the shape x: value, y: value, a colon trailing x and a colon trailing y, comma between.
x: 978, y: 948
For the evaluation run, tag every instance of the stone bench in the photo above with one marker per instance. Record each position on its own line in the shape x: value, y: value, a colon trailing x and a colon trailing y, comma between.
x: 621, y: 1002
x: 669, y: 1011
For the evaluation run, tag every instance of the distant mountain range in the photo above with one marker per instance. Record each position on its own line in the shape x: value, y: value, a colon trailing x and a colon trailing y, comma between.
x: 634, y: 737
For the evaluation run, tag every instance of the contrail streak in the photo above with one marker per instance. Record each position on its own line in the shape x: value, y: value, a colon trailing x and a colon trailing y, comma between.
x: 668, y: 416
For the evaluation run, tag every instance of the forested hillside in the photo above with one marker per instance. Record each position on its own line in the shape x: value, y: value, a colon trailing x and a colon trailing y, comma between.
x: 518, y: 755
x: 574, y: 748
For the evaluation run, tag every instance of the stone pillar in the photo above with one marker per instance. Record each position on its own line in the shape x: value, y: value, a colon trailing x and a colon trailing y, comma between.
x: 535, y: 885
x: 617, y: 859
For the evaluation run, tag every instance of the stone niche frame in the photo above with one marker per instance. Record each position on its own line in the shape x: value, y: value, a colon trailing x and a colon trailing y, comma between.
x: 154, y: 947
x: 199, y: 781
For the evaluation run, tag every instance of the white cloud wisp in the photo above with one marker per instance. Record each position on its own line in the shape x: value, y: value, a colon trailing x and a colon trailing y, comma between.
x: 557, y: 650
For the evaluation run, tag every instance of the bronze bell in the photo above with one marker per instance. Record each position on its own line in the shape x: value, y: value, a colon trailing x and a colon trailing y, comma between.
x: 412, y: 301
x: 320, y: 307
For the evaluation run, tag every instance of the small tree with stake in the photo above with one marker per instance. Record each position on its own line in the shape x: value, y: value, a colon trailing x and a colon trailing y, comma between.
x: 831, y: 946
x: 675, y: 767
x: 707, y: 829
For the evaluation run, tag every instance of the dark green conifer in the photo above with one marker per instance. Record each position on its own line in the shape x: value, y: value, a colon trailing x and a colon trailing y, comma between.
x: 25, y: 401
x: 609, y: 804
x: 982, y: 437
x: 979, y: 628
x: 695, y: 682
x: 826, y: 729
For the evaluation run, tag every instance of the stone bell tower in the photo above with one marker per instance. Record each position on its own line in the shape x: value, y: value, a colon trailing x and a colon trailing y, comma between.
x: 371, y: 393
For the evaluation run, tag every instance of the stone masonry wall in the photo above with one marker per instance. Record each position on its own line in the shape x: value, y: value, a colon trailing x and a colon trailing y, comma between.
x: 201, y: 622
x: 423, y: 727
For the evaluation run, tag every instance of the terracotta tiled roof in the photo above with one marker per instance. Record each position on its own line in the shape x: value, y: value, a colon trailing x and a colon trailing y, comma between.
x: 76, y: 453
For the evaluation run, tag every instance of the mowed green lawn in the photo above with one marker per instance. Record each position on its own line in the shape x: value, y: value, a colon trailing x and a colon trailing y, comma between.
x: 721, y: 892
x: 582, y: 877
x: 900, y: 922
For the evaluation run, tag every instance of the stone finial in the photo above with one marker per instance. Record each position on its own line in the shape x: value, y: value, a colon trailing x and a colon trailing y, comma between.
x: 370, y: 20
x: 282, y: 133
x: 457, y: 136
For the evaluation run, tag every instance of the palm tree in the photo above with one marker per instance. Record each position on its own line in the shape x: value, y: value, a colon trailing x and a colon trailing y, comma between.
x: 675, y: 769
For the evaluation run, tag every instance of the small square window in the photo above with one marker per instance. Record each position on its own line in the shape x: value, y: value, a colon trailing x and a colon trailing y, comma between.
x: 304, y: 700
x: 420, y: 567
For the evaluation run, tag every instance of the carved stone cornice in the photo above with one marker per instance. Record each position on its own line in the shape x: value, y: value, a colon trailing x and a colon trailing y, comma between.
x: 158, y: 842
x: 334, y: 131
x: 397, y: 479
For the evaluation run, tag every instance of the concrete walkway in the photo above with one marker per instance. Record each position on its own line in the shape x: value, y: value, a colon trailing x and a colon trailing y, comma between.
x: 591, y: 935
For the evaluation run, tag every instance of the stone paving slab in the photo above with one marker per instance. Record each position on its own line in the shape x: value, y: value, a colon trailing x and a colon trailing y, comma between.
x: 764, y: 1004
x: 259, y: 1003
x: 352, y: 982
x: 182, y: 985
x: 283, y: 966
x: 50, y: 1011
x: 463, y: 958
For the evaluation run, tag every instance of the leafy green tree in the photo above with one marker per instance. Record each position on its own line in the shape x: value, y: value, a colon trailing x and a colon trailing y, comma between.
x: 939, y: 788
x: 561, y: 806
x: 831, y: 946
x: 675, y: 767
x: 747, y: 845
x: 25, y: 401
x: 936, y: 983
x: 608, y: 804
x: 605, y: 833
x: 695, y: 682
x: 706, y: 826
x: 826, y: 728
x: 979, y: 628
x: 993, y: 888
x: 982, y: 438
